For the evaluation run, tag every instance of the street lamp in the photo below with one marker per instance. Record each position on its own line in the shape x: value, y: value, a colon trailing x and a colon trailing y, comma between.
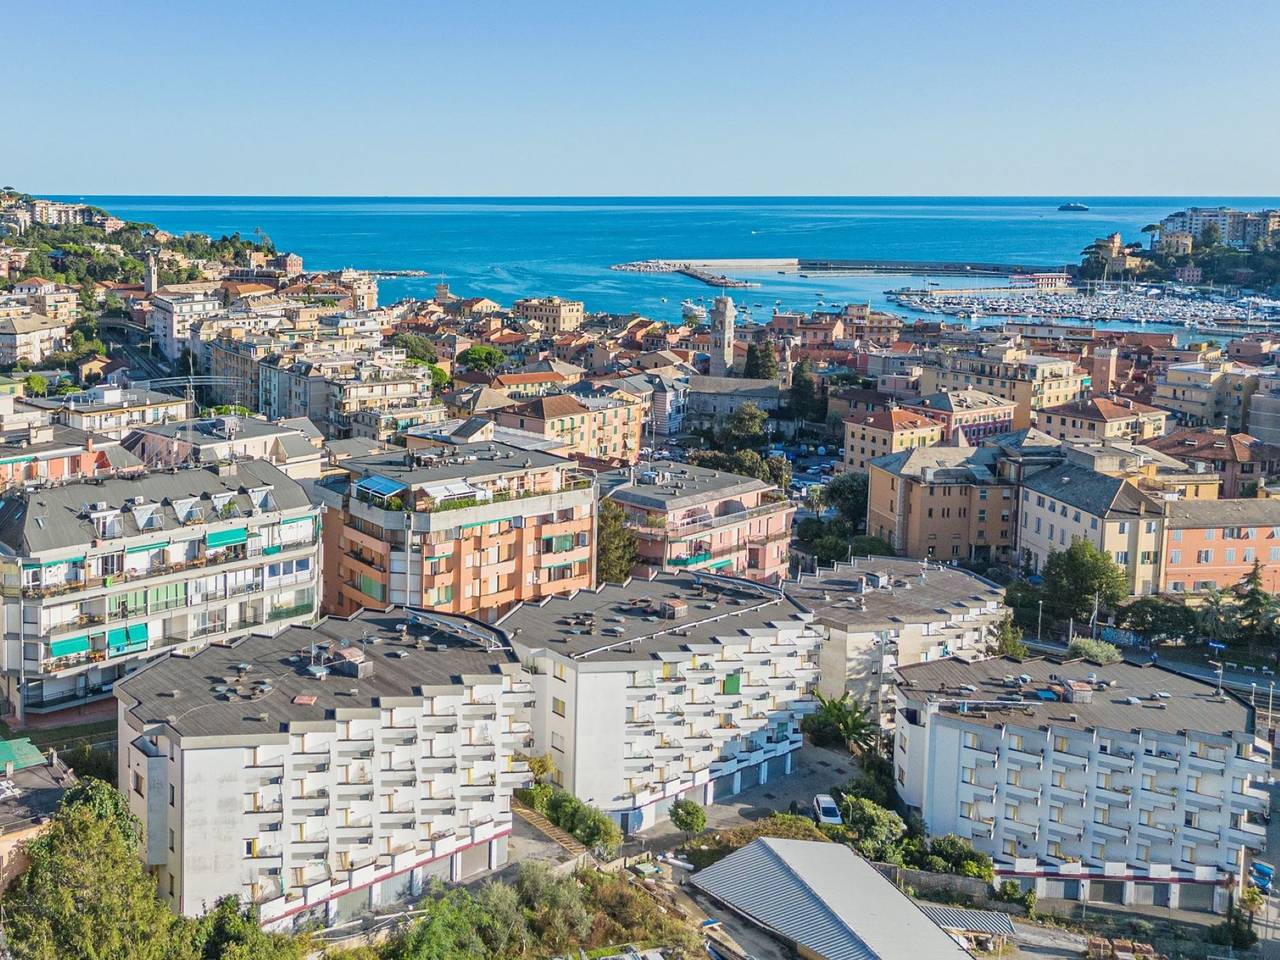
x: 1039, y: 620
x: 1271, y: 694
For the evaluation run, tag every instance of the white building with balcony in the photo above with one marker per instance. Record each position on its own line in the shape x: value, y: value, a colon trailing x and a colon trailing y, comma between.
x: 680, y: 686
x: 1119, y: 784
x: 100, y: 576
x: 328, y: 770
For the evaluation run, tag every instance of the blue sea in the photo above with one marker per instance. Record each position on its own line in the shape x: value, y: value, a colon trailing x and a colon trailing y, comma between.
x: 506, y: 248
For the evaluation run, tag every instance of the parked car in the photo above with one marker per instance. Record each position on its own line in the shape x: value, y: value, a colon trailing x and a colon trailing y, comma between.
x: 825, y: 810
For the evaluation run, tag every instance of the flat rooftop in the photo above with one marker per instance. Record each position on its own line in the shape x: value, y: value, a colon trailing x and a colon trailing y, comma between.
x: 626, y: 621
x: 668, y: 485
x: 1166, y: 702
x: 880, y: 592
x: 223, y: 691
x: 31, y: 795
x: 465, y: 461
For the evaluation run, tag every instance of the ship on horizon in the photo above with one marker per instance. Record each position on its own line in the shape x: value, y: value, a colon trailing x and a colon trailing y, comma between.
x: 1073, y: 207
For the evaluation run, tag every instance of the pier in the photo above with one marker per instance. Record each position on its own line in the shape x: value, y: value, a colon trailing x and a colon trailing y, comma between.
x: 713, y: 271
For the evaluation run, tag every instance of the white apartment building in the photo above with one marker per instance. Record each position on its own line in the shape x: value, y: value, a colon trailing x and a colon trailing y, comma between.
x: 172, y: 315
x: 681, y: 686
x: 112, y: 411
x: 877, y: 613
x: 30, y: 336
x: 108, y: 574
x: 1120, y: 784
x: 328, y: 770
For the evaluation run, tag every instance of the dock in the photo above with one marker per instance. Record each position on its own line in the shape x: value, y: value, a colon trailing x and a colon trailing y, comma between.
x: 713, y: 272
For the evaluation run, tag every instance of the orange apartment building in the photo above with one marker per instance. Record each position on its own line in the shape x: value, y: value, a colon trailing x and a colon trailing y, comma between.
x: 1212, y: 544
x: 686, y: 517
x: 1099, y: 418
x: 603, y: 427
x: 467, y: 529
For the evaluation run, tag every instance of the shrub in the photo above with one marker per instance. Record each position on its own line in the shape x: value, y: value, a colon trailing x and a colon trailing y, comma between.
x: 536, y: 797
x: 688, y: 817
x: 716, y: 846
x: 589, y: 826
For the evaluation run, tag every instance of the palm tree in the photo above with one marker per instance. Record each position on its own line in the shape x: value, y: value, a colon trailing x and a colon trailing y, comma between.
x: 1215, y: 619
x: 860, y: 733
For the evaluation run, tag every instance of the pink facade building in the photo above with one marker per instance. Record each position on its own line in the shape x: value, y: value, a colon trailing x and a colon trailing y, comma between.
x: 686, y: 517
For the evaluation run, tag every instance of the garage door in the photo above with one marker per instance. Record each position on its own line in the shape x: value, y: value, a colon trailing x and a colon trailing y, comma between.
x: 722, y: 788
x: 1106, y: 891
x: 777, y: 767
x: 751, y: 776
x: 1151, y: 894
x: 1196, y: 896
x: 475, y: 860
x: 394, y: 890
x: 1056, y: 889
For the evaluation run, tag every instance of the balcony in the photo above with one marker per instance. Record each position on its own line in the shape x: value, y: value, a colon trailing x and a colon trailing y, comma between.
x: 286, y: 613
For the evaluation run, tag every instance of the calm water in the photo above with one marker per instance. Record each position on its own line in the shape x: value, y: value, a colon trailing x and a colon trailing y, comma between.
x: 506, y: 248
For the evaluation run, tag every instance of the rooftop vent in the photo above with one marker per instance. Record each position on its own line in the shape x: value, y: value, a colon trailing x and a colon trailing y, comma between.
x: 304, y: 700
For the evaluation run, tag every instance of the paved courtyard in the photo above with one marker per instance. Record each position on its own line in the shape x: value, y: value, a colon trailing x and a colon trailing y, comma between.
x: 814, y: 770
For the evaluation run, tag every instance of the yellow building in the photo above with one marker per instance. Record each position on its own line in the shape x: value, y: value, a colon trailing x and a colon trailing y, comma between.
x: 1101, y: 419
x: 868, y: 435
x: 1032, y: 382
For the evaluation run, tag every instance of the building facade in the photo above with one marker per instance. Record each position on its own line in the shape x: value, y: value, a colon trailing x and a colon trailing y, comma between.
x: 113, y: 573
x: 317, y: 800
x: 1119, y: 784
x: 876, y: 433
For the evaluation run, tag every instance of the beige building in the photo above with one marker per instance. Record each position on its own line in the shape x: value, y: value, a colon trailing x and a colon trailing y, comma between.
x: 31, y: 337
x: 945, y: 503
x: 1101, y: 419
x: 868, y: 435
x: 1211, y: 393
x: 600, y: 427
x: 1006, y: 370
x: 552, y: 314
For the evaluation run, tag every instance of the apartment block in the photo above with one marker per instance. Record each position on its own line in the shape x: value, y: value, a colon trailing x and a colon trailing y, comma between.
x: 553, y: 315
x: 1209, y: 393
x: 112, y: 411
x: 686, y: 517
x: 682, y: 686
x: 1213, y: 544
x: 601, y: 427
x: 877, y: 433
x: 944, y: 503
x: 467, y: 528
x: 1099, y: 418
x: 172, y: 315
x: 974, y: 414
x: 877, y: 613
x: 1032, y: 382
x: 112, y: 573
x: 1243, y: 461
x: 1117, y: 784
x: 326, y: 771
x: 210, y: 440
x: 30, y: 336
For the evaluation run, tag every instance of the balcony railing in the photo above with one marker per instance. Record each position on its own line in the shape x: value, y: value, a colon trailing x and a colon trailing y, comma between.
x: 297, y: 610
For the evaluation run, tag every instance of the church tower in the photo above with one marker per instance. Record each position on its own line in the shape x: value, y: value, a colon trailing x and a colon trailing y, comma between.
x: 722, y: 317
x: 151, y: 278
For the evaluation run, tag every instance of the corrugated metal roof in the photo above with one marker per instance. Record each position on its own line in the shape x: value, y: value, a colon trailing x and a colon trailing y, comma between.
x: 981, y: 921
x: 826, y: 898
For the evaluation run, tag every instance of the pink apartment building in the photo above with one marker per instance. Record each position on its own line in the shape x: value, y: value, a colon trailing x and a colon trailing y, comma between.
x: 686, y: 517
x: 1212, y: 544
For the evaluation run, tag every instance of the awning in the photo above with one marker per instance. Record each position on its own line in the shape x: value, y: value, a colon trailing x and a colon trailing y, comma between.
x: 67, y: 648
x: 268, y: 551
x: 727, y: 562
x: 288, y: 520
x: 116, y: 638
x: 53, y: 563
x: 452, y: 488
x: 227, y: 538
x: 380, y: 486
x: 137, y: 633
x: 146, y: 547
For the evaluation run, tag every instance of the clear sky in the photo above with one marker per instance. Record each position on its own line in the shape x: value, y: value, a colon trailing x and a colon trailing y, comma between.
x: 537, y: 97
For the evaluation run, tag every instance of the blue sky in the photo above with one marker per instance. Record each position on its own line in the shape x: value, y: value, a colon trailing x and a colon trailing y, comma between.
x: 925, y: 97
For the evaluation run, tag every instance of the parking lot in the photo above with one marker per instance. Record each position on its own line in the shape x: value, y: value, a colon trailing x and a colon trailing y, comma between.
x: 815, y: 770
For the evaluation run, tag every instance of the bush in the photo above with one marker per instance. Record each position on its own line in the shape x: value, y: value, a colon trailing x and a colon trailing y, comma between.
x: 589, y: 826
x: 873, y: 781
x: 87, y: 762
x: 950, y: 854
x: 716, y: 846
x: 688, y: 817
x: 536, y: 797
x: 1095, y: 650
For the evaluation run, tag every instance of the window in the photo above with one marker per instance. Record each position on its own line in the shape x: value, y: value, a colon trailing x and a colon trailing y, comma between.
x: 172, y: 795
x: 557, y: 742
x: 970, y: 739
x: 966, y: 809
x: 558, y: 671
x: 557, y: 706
x: 1145, y: 818
x: 172, y: 841
x: 137, y: 783
x: 968, y: 775
x: 1055, y: 814
x: 1175, y: 556
x: 1102, y: 815
x: 1122, y: 557
x: 1122, y: 527
x: 1060, y: 744
x: 1177, y: 535
x: 1204, y: 556
x: 1011, y: 848
x: 1059, y: 778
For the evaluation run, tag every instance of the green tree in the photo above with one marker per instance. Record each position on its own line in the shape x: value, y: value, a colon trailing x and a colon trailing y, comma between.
x: 847, y: 493
x: 504, y: 929
x: 1096, y: 650
x: 1210, y: 236
x: 1256, y: 607
x: 228, y: 932
x: 840, y: 720
x: 762, y: 362
x: 865, y: 546
x: 542, y: 766
x: 689, y: 818
x: 615, y: 544
x: 439, y: 380
x: 1215, y: 617
x: 805, y: 403
x: 1159, y: 620
x: 744, y: 428
x: 482, y: 358
x: 35, y: 385
x: 415, y: 346
x: 449, y: 929
x: 873, y: 831
x: 85, y: 894
x: 1073, y: 577
x: 1008, y: 640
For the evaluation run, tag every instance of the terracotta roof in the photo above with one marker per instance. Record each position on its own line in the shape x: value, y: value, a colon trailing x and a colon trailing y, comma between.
x: 1100, y: 408
x: 892, y: 420
x: 515, y: 379
x: 1214, y: 445
x: 549, y: 408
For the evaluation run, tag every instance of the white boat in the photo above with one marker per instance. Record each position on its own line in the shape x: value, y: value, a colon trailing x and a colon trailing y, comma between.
x: 693, y: 311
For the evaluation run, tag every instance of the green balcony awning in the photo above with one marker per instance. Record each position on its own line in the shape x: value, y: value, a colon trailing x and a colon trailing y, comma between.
x: 720, y: 564
x: 137, y: 633
x: 69, y: 647
x: 276, y: 548
x: 733, y: 683
x: 116, y: 638
x: 227, y: 538
x: 147, y: 547
x: 288, y: 520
